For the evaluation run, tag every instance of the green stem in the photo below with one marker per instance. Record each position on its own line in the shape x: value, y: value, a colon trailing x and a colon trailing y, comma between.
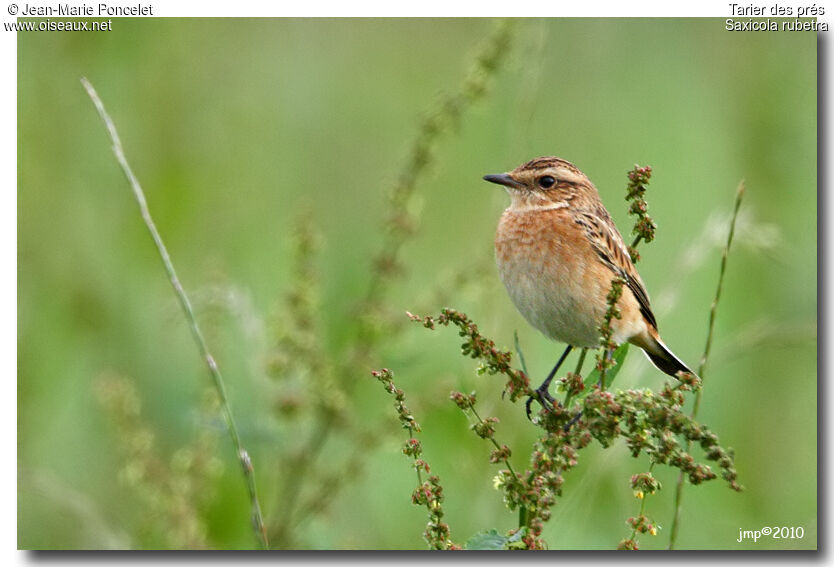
x: 569, y: 394
x: 607, y: 356
x: 581, y: 360
x: 673, y: 536
x: 523, y: 517
x: 217, y: 378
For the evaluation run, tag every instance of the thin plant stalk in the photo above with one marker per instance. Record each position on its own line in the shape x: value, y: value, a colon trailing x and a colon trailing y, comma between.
x: 447, y: 113
x: 642, y: 505
x: 495, y: 443
x: 523, y: 515
x: 214, y: 370
x: 673, y: 535
x: 485, y: 430
x: 579, y: 363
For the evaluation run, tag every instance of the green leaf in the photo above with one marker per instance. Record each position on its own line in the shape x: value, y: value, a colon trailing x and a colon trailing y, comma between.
x: 517, y: 535
x: 515, y: 540
x: 486, y: 540
x: 593, y: 377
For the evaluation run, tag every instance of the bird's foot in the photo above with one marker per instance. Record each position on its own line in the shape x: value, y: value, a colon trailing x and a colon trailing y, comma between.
x: 544, y: 398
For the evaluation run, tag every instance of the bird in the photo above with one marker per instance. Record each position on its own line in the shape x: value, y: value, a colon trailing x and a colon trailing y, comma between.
x: 557, y: 250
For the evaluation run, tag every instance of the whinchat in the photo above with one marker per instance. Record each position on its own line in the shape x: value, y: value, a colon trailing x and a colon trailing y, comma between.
x: 557, y: 251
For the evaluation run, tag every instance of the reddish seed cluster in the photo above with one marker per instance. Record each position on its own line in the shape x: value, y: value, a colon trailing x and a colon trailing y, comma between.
x: 513, y: 487
x: 638, y: 208
x: 421, y: 465
x: 642, y: 524
x: 437, y: 532
x: 422, y: 494
x: 638, y: 177
x: 554, y: 454
x: 653, y: 424
x: 628, y: 545
x: 463, y: 401
x: 602, y: 415
x: 428, y: 493
x: 555, y: 419
x: 689, y: 381
x: 500, y: 455
x: 387, y: 378
x: 644, y: 226
x: 645, y: 483
x: 572, y: 384
x: 650, y: 423
x: 485, y: 428
x: 412, y: 448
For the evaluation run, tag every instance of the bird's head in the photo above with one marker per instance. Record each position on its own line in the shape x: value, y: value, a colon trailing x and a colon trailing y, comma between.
x: 543, y: 182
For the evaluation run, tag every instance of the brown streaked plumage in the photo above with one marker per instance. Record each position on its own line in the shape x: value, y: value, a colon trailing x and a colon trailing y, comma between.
x: 557, y: 250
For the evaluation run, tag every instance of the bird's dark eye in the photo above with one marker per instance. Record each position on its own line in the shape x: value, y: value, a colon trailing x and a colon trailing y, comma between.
x: 546, y: 181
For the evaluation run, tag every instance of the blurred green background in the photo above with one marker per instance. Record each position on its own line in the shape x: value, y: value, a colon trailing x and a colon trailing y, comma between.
x: 238, y: 128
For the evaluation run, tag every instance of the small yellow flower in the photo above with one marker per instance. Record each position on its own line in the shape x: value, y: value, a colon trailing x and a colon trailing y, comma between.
x: 653, y: 531
x: 638, y: 494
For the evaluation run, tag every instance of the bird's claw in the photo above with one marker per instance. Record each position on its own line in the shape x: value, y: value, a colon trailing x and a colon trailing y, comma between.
x: 544, y: 398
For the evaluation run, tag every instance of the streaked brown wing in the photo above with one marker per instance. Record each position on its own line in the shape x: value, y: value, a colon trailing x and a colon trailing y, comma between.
x: 609, y: 246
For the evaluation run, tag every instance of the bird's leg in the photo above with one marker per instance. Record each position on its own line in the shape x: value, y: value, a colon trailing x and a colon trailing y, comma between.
x: 542, y: 394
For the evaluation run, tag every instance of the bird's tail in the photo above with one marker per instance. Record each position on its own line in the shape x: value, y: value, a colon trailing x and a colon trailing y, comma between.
x: 661, y: 356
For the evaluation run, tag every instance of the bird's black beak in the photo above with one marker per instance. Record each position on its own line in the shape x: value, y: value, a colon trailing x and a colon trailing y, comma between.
x: 503, y: 179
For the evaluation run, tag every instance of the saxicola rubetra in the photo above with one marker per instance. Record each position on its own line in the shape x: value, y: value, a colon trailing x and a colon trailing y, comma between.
x: 557, y: 250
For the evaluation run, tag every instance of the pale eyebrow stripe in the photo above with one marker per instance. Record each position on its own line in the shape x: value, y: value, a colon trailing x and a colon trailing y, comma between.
x: 534, y: 208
